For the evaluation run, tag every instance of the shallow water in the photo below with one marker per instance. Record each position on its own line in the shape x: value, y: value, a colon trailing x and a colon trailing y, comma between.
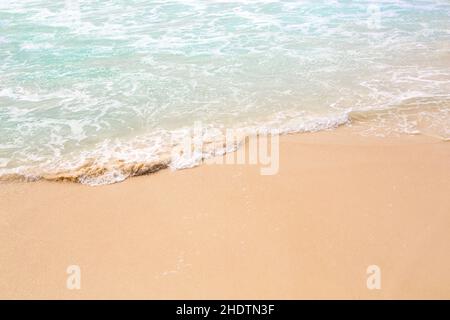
x: 96, y: 91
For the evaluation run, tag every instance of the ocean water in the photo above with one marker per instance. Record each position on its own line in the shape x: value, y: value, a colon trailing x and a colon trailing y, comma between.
x: 97, y: 91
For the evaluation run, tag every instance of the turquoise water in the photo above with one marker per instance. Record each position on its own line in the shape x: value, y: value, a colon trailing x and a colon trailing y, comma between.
x: 92, y: 89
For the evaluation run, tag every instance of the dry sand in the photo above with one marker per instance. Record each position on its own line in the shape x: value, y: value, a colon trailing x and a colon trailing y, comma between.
x: 340, y: 203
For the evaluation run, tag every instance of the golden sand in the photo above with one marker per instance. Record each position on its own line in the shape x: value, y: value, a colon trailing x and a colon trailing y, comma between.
x: 340, y: 203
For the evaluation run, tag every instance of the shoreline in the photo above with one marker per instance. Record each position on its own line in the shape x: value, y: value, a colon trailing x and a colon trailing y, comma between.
x: 90, y: 167
x: 339, y: 203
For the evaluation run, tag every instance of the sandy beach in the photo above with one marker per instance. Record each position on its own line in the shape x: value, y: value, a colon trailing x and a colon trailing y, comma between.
x: 340, y: 203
